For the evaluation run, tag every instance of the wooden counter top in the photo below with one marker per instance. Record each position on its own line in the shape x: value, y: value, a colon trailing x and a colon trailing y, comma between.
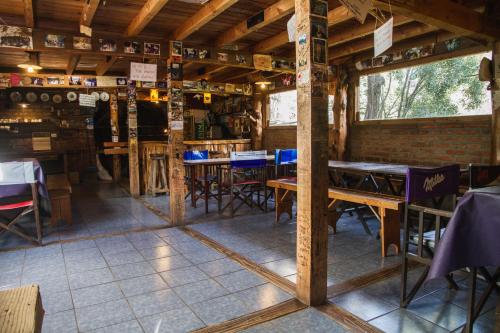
x: 217, y: 142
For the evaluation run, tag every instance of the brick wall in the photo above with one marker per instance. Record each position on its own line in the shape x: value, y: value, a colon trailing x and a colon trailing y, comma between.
x: 437, y: 141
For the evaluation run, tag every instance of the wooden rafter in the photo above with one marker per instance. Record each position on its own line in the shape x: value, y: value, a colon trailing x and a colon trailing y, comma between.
x: 335, y: 16
x: 105, y: 66
x: 445, y: 14
x: 88, y: 12
x: 29, y: 16
x: 272, y: 13
x: 207, y: 13
x: 209, y: 71
x: 408, y: 31
x: 145, y: 15
x: 363, y: 30
x: 73, y: 61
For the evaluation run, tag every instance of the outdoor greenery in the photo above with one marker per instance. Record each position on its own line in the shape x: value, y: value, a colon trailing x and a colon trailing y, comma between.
x: 445, y: 88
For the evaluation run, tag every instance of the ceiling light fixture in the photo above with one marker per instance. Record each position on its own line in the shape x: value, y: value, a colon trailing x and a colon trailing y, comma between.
x: 33, y: 64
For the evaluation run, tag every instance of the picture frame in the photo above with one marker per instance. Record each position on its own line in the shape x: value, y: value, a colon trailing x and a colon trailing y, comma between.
x: 319, y: 51
x: 152, y: 49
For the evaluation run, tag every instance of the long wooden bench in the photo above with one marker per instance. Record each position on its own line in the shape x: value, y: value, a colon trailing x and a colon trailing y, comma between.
x: 21, y: 310
x: 387, y: 208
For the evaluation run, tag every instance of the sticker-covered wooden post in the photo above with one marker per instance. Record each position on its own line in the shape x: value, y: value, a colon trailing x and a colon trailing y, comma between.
x: 176, y: 135
x: 133, y: 144
x: 312, y: 143
x: 115, y: 135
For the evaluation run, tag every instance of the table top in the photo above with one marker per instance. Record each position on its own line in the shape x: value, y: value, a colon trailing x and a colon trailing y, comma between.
x: 218, y: 161
x: 471, y: 236
x: 370, y: 167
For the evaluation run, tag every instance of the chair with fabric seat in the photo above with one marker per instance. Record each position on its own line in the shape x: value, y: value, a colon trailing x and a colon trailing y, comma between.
x: 210, y: 177
x: 426, y: 193
x: 19, y: 174
x: 247, y: 178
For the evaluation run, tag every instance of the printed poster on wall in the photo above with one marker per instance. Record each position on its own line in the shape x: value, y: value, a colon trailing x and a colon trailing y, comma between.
x: 382, y: 37
x: 263, y: 62
x: 86, y: 100
x: 143, y: 72
x: 359, y: 8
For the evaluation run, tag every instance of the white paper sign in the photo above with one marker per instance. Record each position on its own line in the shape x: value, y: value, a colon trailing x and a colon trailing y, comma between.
x: 177, y: 125
x: 382, y: 37
x: 106, y: 81
x: 292, y: 28
x: 143, y: 72
x: 359, y: 8
x: 87, y: 31
x: 86, y: 100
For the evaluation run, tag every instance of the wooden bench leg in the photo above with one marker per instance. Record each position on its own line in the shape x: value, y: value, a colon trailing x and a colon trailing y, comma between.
x: 333, y: 215
x: 284, y: 203
x: 390, y: 230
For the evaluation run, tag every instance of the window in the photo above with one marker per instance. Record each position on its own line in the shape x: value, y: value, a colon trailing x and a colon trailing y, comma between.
x: 283, y: 108
x: 445, y: 88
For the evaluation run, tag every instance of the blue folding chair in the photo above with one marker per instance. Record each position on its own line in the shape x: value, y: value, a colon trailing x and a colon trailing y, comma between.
x: 199, y: 181
x: 426, y: 192
x: 247, y: 177
x: 285, y: 161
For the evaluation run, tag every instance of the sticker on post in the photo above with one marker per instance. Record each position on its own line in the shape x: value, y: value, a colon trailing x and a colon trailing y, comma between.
x: 177, y: 125
x: 303, y: 78
x: 382, y: 37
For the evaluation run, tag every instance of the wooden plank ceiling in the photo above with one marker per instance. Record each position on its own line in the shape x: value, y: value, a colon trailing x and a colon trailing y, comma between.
x: 162, y: 19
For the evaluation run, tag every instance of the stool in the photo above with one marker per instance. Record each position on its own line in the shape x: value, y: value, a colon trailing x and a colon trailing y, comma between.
x: 60, y: 202
x: 157, y: 174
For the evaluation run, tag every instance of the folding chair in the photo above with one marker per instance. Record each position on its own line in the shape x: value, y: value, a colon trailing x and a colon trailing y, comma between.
x: 192, y: 155
x: 13, y: 174
x: 247, y: 177
x: 483, y: 176
x: 426, y: 190
x: 285, y: 162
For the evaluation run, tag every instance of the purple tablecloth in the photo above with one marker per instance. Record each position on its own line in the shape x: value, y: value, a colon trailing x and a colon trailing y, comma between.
x: 15, y: 190
x: 472, y: 237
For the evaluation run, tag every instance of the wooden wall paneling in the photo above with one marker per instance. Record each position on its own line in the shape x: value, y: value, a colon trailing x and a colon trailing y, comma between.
x: 115, y: 135
x: 495, y: 148
x: 176, y: 172
x: 133, y: 144
x: 312, y: 144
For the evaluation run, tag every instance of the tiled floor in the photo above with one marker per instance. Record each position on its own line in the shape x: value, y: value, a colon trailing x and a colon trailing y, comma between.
x: 98, y: 208
x: 135, y: 282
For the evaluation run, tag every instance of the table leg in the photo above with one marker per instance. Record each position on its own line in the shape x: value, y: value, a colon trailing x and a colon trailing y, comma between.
x: 193, y: 185
x: 207, y: 185
x: 497, y: 317
x: 389, y: 230
x: 284, y: 203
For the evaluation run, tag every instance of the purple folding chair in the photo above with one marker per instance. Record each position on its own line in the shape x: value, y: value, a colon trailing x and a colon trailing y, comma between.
x: 426, y: 191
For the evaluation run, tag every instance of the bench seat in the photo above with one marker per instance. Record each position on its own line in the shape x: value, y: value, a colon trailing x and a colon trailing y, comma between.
x: 387, y: 208
x: 21, y: 310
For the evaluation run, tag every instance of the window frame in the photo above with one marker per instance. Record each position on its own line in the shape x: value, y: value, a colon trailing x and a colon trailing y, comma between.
x: 413, y: 63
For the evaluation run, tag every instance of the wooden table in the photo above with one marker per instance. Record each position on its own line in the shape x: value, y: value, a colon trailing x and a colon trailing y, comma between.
x: 21, y: 310
x: 205, y: 164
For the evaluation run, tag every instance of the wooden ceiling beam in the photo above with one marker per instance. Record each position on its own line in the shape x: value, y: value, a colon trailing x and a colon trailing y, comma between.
x: 106, y: 65
x: 445, y: 14
x: 73, y: 61
x: 209, y: 71
x: 363, y: 30
x: 335, y: 16
x: 88, y: 12
x: 271, y: 14
x: 150, y: 9
x: 207, y: 13
x: 29, y: 16
x: 408, y: 31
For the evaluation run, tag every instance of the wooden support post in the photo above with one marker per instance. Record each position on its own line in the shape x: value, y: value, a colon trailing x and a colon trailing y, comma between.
x: 115, y: 135
x: 133, y: 144
x: 339, y: 146
x: 495, y: 148
x: 258, y: 108
x: 176, y: 147
x: 312, y: 144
